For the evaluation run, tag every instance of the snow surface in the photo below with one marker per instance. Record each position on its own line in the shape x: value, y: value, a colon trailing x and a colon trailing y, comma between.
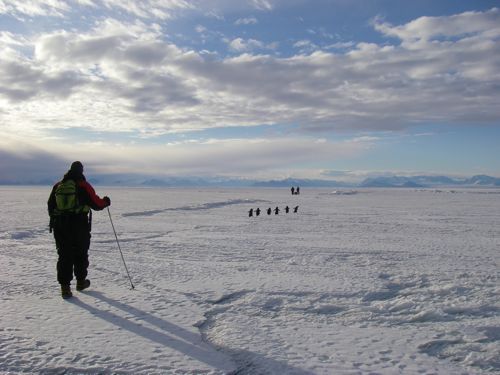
x: 380, y: 281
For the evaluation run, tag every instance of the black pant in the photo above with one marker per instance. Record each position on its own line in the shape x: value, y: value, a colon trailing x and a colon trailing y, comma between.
x: 72, y: 235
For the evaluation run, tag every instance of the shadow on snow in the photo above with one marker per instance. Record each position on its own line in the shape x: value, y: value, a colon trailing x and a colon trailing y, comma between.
x: 184, y: 341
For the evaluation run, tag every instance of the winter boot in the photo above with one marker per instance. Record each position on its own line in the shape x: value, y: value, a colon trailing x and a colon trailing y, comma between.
x: 82, y: 284
x: 66, y: 291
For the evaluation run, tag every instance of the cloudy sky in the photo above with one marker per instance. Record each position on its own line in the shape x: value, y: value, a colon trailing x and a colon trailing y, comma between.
x: 252, y: 88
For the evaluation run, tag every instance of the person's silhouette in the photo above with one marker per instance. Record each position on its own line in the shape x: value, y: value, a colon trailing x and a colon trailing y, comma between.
x: 287, y: 209
x: 257, y: 212
x: 269, y: 211
x: 295, y: 209
x: 250, y: 213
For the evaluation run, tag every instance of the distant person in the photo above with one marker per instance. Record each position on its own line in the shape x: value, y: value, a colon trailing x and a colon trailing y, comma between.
x: 257, y: 212
x: 250, y: 213
x: 269, y: 211
x: 295, y: 209
x: 293, y: 190
x: 69, y: 205
x: 276, y: 210
x: 297, y: 191
x: 287, y: 209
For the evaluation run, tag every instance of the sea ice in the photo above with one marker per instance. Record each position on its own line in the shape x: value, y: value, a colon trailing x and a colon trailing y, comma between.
x: 381, y: 281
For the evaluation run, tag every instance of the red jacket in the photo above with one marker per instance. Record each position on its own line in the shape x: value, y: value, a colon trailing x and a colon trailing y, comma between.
x: 93, y: 200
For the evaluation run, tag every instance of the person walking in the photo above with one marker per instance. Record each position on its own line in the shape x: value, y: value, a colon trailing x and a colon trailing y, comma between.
x: 70, y: 203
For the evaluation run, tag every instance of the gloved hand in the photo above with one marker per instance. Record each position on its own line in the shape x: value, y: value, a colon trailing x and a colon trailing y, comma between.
x: 107, y: 200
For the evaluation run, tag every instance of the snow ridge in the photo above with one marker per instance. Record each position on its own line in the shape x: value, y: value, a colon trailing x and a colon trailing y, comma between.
x: 205, y: 206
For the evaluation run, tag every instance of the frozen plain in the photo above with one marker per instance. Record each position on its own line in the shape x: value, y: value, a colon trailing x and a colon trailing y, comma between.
x: 357, y: 282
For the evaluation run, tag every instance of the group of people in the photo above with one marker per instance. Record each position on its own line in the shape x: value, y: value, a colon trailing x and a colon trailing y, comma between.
x: 270, y: 210
x: 295, y: 191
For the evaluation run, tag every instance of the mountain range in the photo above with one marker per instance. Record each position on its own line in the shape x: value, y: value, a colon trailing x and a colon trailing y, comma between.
x: 420, y: 181
x: 429, y: 181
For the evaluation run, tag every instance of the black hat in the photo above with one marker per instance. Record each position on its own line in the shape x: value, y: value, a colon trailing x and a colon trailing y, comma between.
x: 77, y: 166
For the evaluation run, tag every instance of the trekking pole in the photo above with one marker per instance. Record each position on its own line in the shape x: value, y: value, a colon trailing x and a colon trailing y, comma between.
x: 119, y: 248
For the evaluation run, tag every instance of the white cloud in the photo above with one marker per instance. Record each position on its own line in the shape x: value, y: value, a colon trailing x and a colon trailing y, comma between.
x: 160, y: 9
x: 8, y: 39
x: 340, y: 45
x: 53, y: 8
x: 457, y: 26
x: 227, y: 157
x: 126, y: 77
x: 305, y: 46
x: 246, y: 21
x: 303, y: 43
x: 365, y: 138
x: 144, y: 9
x: 150, y: 8
x: 200, y: 29
x: 242, y: 45
x: 238, y: 44
x: 262, y: 4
